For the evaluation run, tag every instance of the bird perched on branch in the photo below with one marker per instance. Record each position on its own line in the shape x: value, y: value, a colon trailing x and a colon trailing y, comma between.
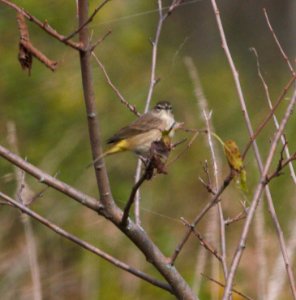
x: 140, y: 134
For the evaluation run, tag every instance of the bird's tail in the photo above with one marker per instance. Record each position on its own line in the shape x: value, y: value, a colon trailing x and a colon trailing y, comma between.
x: 118, y: 147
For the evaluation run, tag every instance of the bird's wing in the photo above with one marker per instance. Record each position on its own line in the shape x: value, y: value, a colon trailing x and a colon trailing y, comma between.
x: 143, y: 124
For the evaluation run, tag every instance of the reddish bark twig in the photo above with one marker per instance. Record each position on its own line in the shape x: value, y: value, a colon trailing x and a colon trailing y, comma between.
x: 43, y: 25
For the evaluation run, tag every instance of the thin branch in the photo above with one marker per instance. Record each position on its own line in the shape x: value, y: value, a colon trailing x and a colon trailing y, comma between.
x: 44, y: 26
x: 153, y: 81
x: 277, y: 280
x: 278, y: 43
x: 132, y: 198
x: 202, y: 241
x: 276, y: 123
x: 22, y: 195
x: 100, y: 40
x: 281, y: 165
x: 43, y: 177
x: 86, y: 245
x: 279, y: 100
x: 188, y: 145
x: 97, y: 9
x: 114, y: 214
x: 197, y: 219
x: 215, y: 219
x: 138, y: 194
x: 261, y: 247
x: 90, y: 105
x: 161, y: 19
x: 111, y: 211
x: 256, y: 151
x: 154, y: 55
x: 27, y: 50
x: 147, y: 105
x: 223, y: 285
x: 260, y: 187
x: 240, y: 216
x: 131, y: 107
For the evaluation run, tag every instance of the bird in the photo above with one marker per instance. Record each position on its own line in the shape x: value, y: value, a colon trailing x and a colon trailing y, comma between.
x: 140, y: 134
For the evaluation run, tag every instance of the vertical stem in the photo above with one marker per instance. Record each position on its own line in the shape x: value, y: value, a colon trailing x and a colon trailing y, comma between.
x: 251, y: 212
x: 89, y: 99
x: 203, y: 105
x: 148, y: 101
x: 154, y: 56
x: 259, y: 162
x: 27, y: 224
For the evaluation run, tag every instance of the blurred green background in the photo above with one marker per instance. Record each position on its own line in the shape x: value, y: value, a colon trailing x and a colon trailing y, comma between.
x: 49, y: 114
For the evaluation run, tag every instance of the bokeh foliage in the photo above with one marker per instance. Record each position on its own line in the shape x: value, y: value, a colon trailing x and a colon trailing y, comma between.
x: 52, y: 133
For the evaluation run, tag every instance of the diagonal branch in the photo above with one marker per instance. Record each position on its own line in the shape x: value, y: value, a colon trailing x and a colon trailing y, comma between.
x: 162, y: 18
x: 86, y: 245
x: 257, y: 195
x: 97, y: 9
x: 131, y: 107
x: 203, y: 105
x: 269, y: 115
x: 202, y: 241
x: 111, y: 211
x: 22, y: 196
x: 153, y: 81
x: 90, y: 105
x: 223, y: 285
x: 44, y: 26
x: 276, y: 123
x: 43, y: 177
x: 278, y: 43
x: 27, y: 49
x: 256, y: 151
x: 198, y: 218
x: 132, y: 198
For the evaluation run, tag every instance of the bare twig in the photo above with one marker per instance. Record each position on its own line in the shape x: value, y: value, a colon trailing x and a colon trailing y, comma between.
x: 114, y: 214
x: 281, y: 164
x: 22, y: 195
x: 62, y: 187
x: 162, y: 18
x: 260, y: 187
x: 269, y: 115
x: 276, y: 123
x: 111, y: 210
x: 153, y: 81
x: 154, y: 56
x: 131, y: 107
x: 278, y: 43
x: 86, y: 245
x: 277, y: 280
x: 90, y: 104
x: 188, y: 145
x: 44, y: 26
x: 240, y: 216
x: 197, y: 219
x: 257, y: 155
x: 223, y: 285
x: 100, y: 40
x: 132, y: 198
x: 213, y: 224
x: 208, y: 183
x: 91, y: 17
x: 138, y: 194
x: 200, y: 264
x: 27, y: 50
x: 202, y: 241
